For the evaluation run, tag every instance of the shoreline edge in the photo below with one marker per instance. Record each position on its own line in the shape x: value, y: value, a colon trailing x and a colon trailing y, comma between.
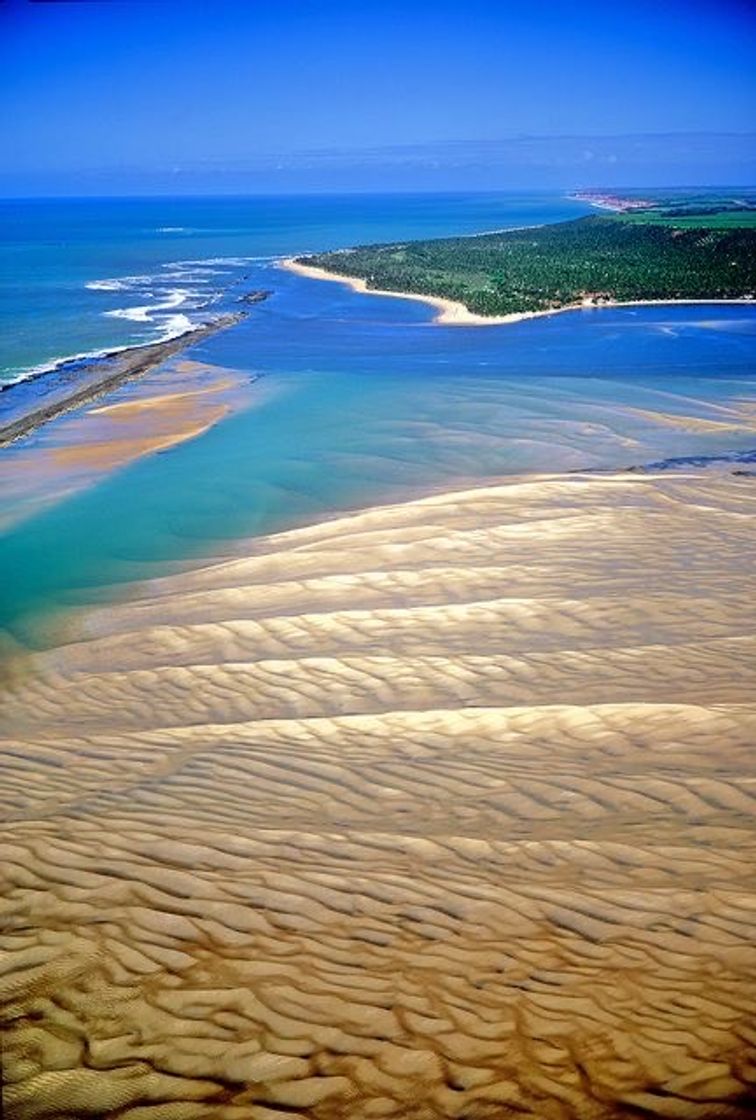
x: 454, y: 313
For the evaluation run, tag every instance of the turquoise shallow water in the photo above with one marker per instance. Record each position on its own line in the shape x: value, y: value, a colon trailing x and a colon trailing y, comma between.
x: 363, y: 400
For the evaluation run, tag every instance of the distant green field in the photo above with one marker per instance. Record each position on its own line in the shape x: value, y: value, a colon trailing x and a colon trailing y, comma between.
x: 725, y: 219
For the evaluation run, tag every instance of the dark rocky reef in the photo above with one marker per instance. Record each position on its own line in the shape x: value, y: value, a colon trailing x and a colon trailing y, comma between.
x: 255, y: 297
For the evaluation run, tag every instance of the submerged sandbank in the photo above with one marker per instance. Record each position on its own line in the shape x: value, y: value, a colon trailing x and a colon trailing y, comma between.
x: 162, y: 408
x: 453, y: 313
x: 441, y: 808
x: 98, y: 377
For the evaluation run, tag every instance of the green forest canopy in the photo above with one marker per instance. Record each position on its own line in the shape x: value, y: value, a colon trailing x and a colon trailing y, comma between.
x: 597, y: 257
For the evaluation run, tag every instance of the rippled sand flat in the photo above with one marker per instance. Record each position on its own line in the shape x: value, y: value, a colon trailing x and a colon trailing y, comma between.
x: 443, y: 809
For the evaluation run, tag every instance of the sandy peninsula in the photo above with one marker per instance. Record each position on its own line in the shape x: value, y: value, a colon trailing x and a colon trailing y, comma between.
x: 450, y: 312
x: 453, y: 313
x: 440, y: 809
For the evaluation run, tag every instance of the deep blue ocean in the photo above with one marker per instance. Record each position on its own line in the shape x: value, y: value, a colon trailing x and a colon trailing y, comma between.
x: 356, y: 399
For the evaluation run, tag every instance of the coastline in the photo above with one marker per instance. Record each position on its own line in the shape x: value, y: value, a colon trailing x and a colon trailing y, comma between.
x: 103, y: 375
x: 450, y: 312
x: 453, y: 313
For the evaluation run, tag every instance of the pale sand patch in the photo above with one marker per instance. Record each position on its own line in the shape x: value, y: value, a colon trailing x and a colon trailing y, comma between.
x: 441, y: 809
x: 75, y: 450
x: 106, y: 455
x: 452, y: 313
x: 742, y: 418
x: 173, y: 403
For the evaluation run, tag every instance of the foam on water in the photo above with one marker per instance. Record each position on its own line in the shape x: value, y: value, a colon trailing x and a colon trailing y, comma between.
x: 195, y: 301
x: 210, y: 280
x: 118, y: 284
x: 230, y: 261
x: 208, y: 286
x: 147, y: 313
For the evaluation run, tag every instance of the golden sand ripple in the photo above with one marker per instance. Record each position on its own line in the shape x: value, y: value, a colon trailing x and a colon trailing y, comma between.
x: 437, y: 810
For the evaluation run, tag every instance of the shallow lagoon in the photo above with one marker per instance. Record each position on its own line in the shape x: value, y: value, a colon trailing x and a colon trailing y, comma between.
x: 363, y: 400
x: 352, y: 399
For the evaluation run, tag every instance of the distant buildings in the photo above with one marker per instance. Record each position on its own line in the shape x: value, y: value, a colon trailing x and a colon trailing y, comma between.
x: 615, y: 202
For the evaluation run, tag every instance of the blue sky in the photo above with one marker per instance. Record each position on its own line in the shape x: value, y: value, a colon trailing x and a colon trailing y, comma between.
x: 262, y: 95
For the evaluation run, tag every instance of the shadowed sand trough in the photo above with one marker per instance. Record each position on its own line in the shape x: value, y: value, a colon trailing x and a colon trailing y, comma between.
x: 436, y: 810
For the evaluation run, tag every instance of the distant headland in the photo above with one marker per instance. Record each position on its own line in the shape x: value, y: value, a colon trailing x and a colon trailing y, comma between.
x: 604, y: 200
x: 695, y: 248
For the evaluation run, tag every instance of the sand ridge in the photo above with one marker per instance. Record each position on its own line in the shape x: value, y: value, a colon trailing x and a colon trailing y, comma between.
x: 440, y: 809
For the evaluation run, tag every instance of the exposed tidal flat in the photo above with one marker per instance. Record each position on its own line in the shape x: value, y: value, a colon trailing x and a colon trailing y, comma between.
x: 384, y: 748
x: 440, y: 809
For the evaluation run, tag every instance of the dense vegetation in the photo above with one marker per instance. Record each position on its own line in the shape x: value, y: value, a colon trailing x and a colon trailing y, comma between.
x: 557, y: 265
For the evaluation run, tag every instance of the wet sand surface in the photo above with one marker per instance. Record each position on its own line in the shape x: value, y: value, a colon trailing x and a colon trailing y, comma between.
x: 443, y: 809
x: 79, y: 383
x: 166, y: 406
